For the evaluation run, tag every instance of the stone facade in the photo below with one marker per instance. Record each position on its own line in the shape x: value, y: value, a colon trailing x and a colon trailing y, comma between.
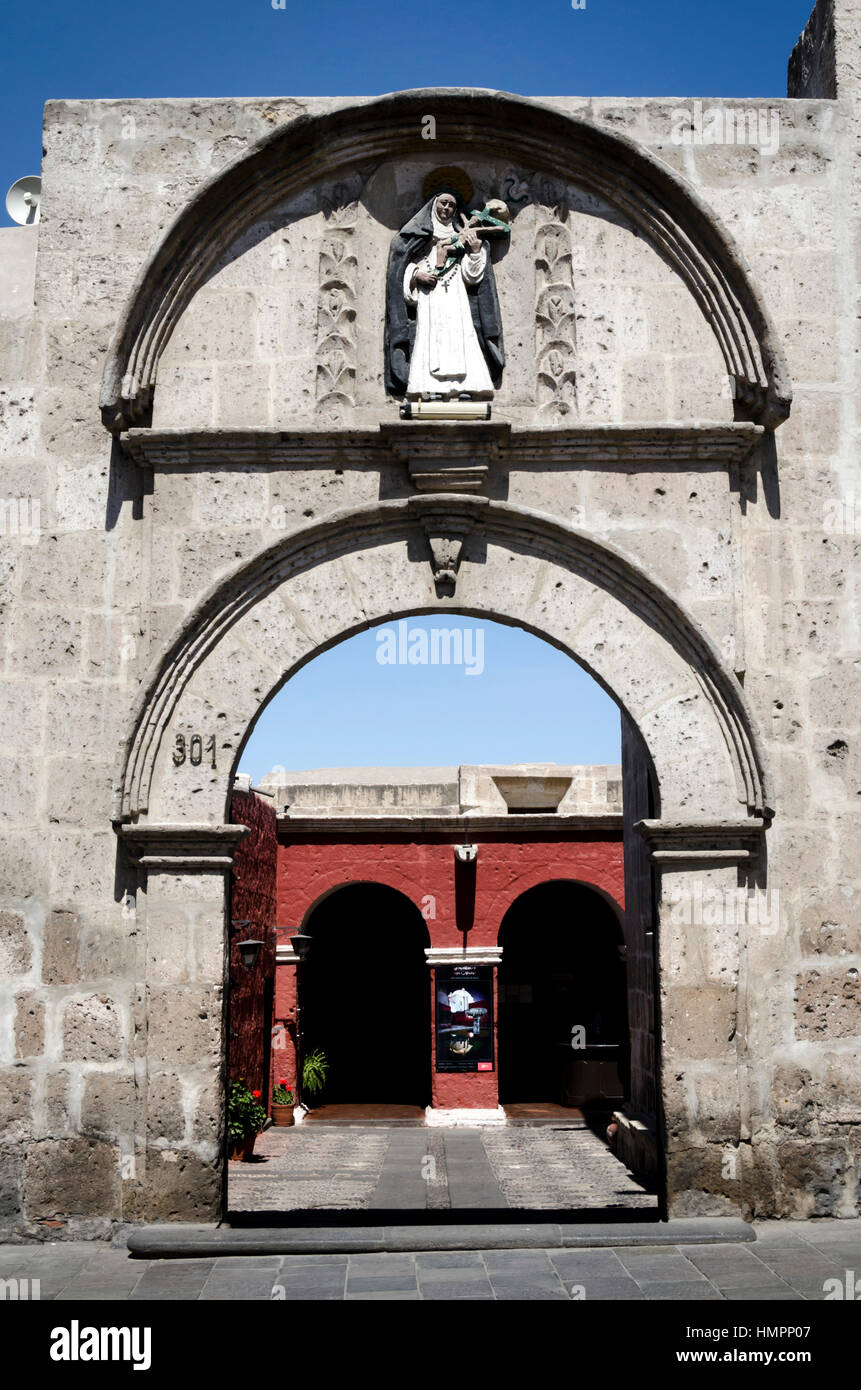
x: 205, y: 485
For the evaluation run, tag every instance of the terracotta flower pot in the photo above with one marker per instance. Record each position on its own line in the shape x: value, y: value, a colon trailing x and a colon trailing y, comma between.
x: 282, y: 1114
x: 241, y: 1150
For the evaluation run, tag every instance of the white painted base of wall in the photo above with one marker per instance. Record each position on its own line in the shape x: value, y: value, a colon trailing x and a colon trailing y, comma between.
x: 465, y: 1117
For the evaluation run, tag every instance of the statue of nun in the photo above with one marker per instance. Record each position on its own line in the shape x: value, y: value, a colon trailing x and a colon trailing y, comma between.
x: 443, y: 326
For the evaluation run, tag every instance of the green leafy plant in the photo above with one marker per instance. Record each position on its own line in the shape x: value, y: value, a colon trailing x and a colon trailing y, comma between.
x: 245, y: 1114
x: 315, y: 1069
x: 282, y: 1094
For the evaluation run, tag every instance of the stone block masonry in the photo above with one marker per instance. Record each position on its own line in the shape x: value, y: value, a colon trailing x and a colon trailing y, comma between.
x: 195, y: 503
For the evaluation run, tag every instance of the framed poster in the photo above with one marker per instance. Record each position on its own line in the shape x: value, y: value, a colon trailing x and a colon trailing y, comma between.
x: 464, y: 1018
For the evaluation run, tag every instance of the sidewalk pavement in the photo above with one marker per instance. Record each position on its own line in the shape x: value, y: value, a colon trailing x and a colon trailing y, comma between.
x: 788, y: 1262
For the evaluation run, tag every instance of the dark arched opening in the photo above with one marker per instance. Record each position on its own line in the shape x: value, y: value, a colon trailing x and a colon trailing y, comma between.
x: 563, y: 1016
x: 365, y: 996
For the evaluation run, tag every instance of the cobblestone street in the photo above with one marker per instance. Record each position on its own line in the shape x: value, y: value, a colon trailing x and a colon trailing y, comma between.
x: 356, y: 1168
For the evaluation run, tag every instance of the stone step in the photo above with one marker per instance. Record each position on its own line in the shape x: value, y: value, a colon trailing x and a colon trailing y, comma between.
x: 186, y: 1241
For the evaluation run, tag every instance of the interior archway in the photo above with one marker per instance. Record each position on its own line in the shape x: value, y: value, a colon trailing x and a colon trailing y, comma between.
x: 563, y: 1014
x: 364, y: 997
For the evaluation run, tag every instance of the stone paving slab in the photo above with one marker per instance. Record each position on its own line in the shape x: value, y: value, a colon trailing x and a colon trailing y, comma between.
x: 679, y: 1271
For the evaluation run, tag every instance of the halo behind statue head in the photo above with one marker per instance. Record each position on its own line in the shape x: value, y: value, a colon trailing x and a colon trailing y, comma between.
x: 449, y: 178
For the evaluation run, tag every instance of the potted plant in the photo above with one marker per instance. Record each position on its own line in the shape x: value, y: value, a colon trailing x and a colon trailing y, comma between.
x: 315, y: 1068
x: 282, y: 1104
x: 245, y: 1119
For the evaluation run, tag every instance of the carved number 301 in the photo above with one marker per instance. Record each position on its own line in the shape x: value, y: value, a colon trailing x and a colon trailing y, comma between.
x: 193, y: 750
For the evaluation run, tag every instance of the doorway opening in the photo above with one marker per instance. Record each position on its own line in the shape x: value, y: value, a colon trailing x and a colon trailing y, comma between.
x: 406, y: 842
x: 563, y: 1015
x: 364, y: 999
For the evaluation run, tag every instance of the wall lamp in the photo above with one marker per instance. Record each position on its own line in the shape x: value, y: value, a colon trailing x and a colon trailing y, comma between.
x: 250, y: 952
x: 466, y: 854
x: 249, y: 949
x: 301, y: 944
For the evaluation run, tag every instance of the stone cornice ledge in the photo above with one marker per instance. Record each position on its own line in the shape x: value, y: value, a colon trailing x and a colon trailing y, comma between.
x: 457, y: 825
x: 463, y: 955
x: 468, y: 450
x: 187, y: 847
x: 708, y: 843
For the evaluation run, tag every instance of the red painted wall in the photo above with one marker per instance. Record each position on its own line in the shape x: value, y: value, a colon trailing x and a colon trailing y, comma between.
x: 450, y: 896
x: 284, y: 1031
x: 425, y: 872
x: 253, y: 899
x: 466, y: 1090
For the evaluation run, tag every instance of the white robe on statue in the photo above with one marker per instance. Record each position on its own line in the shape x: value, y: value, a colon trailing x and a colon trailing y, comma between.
x: 446, y: 357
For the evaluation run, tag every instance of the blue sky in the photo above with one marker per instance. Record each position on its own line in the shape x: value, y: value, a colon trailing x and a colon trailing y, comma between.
x: 531, y: 703
x: 524, y: 702
x: 194, y: 48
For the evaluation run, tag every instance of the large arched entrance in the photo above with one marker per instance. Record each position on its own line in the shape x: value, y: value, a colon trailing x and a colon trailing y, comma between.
x: 364, y: 996
x: 702, y: 822
x: 563, y: 1016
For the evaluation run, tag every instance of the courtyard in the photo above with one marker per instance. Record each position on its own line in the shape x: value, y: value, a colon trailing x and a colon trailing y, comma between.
x: 377, y: 1167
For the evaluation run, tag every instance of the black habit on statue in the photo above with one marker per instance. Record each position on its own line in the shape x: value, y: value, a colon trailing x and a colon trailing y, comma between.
x: 413, y: 241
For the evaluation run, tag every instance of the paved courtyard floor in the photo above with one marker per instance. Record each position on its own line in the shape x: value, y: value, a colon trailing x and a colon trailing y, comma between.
x: 374, y: 1168
x: 788, y: 1262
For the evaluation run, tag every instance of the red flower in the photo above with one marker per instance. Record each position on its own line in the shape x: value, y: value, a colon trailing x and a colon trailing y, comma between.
x: 283, y: 1081
x: 256, y: 1095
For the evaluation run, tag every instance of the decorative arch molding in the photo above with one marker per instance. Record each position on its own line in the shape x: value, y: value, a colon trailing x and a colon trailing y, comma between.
x: 331, y: 579
x: 313, y: 149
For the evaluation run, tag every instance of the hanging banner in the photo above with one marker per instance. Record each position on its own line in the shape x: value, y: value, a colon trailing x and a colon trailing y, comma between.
x: 464, y: 1018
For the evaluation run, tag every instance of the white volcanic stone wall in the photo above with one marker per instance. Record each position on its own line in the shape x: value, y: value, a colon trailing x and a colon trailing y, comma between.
x: 111, y: 1030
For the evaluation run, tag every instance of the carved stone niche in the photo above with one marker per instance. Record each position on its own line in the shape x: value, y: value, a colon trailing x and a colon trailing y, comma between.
x: 448, y: 457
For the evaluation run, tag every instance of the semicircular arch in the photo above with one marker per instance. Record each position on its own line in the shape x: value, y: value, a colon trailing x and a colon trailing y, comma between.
x: 313, y: 148
x: 360, y: 568
x: 537, y: 878
x: 340, y: 884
